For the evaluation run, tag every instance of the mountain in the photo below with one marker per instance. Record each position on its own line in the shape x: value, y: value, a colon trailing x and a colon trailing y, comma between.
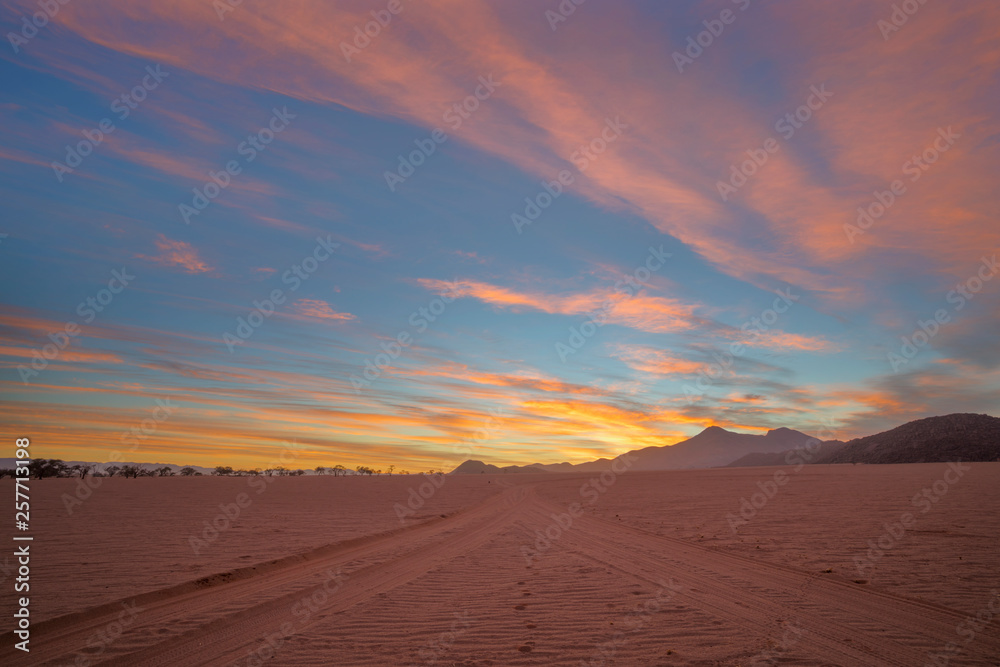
x: 825, y: 450
x: 478, y: 467
x: 960, y: 436
x: 599, y: 465
x: 716, y: 447
x: 712, y: 447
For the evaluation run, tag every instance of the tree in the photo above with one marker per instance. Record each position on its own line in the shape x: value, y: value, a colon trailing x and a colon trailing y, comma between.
x: 130, y: 471
x: 338, y: 470
x: 391, y: 468
x: 82, y: 469
x: 320, y: 470
x: 165, y: 471
x: 47, y: 468
x: 223, y: 471
x: 187, y: 471
x: 113, y: 470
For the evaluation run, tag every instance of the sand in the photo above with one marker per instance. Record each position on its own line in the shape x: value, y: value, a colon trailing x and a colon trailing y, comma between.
x: 650, y: 569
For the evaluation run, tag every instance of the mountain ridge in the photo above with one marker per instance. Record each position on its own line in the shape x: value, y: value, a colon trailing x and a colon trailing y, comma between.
x: 957, y: 436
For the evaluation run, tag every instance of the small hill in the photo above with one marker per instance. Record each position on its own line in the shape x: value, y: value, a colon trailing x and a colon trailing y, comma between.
x: 478, y: 467
x: 600, y: 465
x: 956, y: 437
x: 825, y: 450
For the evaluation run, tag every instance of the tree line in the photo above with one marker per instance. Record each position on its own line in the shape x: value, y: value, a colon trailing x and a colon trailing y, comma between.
x: 40, y: 468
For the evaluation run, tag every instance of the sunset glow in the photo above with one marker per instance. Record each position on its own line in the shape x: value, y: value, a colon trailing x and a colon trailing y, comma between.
x: 478, y: 226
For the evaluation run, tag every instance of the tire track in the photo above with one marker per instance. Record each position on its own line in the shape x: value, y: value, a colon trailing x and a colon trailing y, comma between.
x: 233, y: 609
x: 841, y: 619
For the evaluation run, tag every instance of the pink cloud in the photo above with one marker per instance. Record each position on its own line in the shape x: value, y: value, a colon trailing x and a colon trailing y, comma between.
x: 320, y: 310
x: 177, y: 254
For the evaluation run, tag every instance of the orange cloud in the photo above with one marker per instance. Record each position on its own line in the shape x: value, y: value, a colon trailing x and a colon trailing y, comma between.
x: 177, y: 254
x: 643, y: 312
x: 655, y: 361
x: 785, y: 225
x: 317, y: 309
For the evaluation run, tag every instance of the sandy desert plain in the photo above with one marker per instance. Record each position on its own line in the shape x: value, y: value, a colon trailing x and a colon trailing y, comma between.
x: 655, y: 568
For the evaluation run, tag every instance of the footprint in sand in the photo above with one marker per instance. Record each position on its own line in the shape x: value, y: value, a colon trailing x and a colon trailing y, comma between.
x: 520, y: 607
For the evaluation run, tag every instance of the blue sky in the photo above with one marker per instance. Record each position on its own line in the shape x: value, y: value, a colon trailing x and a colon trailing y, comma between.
x: 598, y: 98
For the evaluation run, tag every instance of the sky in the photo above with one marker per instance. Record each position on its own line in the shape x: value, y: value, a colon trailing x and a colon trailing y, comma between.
x: 413, y: 233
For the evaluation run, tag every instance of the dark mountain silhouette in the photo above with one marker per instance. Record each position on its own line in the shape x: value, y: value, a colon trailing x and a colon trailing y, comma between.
x: 825, y: 450
x: 965, y: 437
x: 716, y: 447
x: 478, y: 467
x: 955, y: 437
x: 712, y: 447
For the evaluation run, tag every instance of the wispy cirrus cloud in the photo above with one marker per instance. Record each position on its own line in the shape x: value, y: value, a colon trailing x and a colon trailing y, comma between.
x: 177, y: 254
x: 318, y: 309
x: 877, y: 119
x: 642, y: 311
